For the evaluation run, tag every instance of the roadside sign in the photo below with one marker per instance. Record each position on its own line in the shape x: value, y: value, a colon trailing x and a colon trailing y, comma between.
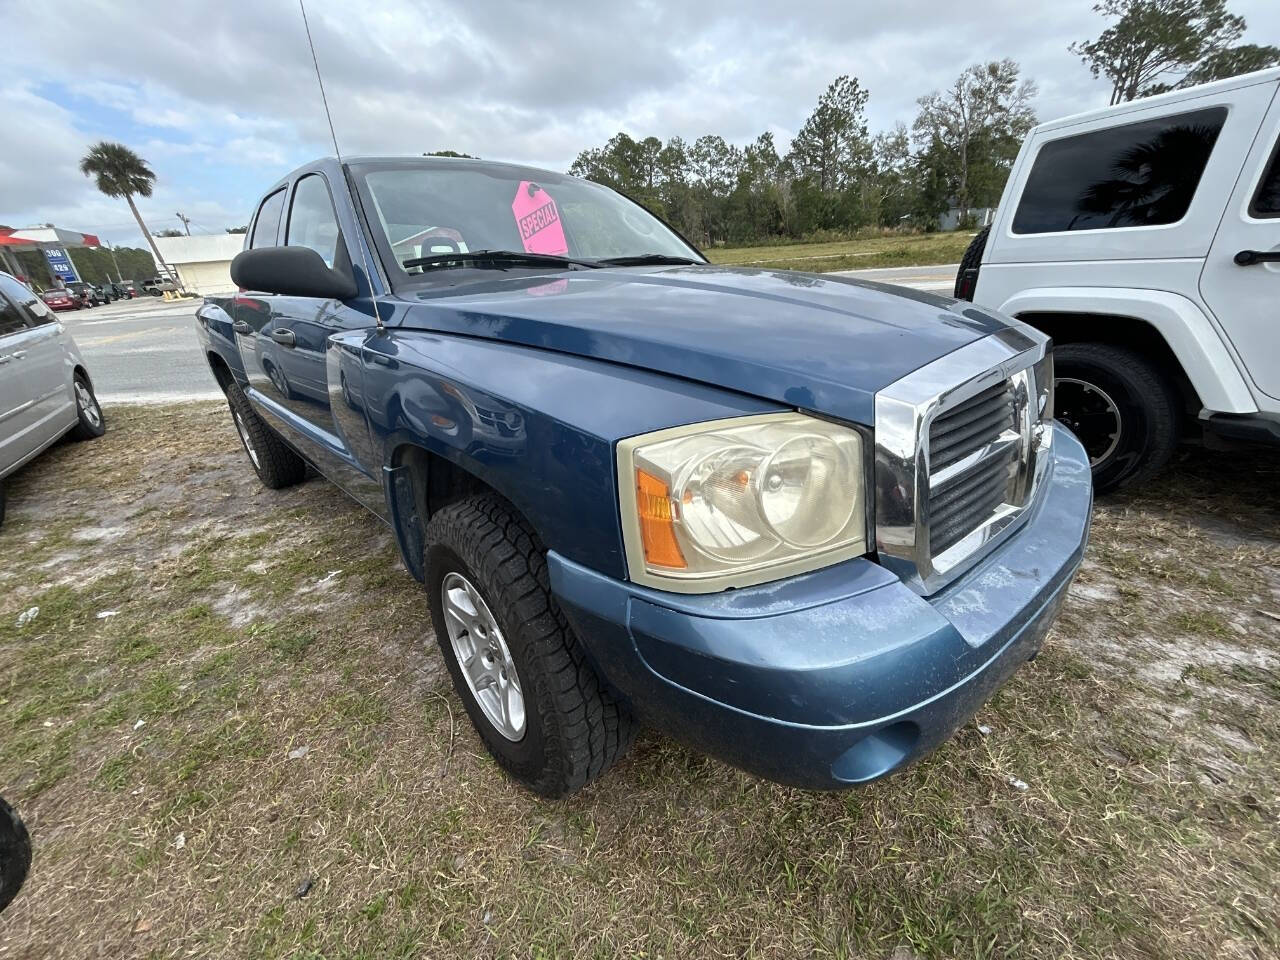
x: 61, y: 263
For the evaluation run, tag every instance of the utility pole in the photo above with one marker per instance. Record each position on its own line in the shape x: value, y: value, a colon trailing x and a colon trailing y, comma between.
x: 116, y: 263
x: 186, y: 223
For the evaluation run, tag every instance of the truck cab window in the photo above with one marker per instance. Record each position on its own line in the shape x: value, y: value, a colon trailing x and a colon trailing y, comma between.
x: 312, y: 222
x: 267, y: 224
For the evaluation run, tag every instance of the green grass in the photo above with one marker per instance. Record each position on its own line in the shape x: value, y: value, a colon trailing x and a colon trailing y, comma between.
x: 1147, y: 731
x: 890, y: 250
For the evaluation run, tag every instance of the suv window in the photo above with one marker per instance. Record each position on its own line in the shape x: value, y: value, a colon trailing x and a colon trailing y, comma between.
x: 1266, y: 202
x: 37, y: 312
x: 267, y: 223
x: 1137, y: 175
x: 312, y: 222
x: 11, y: 319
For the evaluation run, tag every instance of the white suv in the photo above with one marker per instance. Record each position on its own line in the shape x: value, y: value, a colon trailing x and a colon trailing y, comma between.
x: 1145, y: 239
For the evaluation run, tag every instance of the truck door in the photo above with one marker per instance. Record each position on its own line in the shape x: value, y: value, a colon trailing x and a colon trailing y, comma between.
x: 300, y: 350
x: 1241, y: 277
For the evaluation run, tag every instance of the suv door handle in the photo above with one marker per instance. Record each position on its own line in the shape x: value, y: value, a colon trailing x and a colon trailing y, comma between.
x: 1247, y: 258
x: 283, y: 336
x: 16, y: 355
x: 239, y: 326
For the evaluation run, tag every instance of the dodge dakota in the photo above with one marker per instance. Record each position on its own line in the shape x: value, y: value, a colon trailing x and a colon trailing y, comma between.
x: 805, y: 524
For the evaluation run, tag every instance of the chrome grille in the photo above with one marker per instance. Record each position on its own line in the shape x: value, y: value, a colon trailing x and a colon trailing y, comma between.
x: 959, y: 452
x: 973, y: 453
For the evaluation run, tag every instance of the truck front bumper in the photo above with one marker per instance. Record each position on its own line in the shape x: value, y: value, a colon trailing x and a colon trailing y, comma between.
x: 843, y: 675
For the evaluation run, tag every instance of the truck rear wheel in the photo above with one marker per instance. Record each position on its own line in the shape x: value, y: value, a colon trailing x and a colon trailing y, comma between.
x: 275, y: 463
x: 525, y: 681
x: 1122, y: 408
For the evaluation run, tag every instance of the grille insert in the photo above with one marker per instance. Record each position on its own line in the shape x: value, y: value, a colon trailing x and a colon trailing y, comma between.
x: 962, y: 500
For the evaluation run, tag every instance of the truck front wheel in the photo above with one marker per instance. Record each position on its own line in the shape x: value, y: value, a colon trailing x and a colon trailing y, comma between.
x: 1124, y: 411
x: 524, y: 679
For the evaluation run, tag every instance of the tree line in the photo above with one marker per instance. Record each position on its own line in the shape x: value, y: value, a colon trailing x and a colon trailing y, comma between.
x: 93, y: 264
x: 836, y: 177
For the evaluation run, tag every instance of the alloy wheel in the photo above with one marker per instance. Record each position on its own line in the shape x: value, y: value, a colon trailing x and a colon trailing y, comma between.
x: 88, y: 405
x: 1091, y: 414
x: 245, y: 439
x: 483, y: 656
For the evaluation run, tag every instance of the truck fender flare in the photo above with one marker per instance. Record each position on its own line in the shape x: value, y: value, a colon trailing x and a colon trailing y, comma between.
x: 1185, y: 327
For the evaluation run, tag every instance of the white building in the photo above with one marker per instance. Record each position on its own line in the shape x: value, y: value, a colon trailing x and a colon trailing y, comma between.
x: 203, y: 262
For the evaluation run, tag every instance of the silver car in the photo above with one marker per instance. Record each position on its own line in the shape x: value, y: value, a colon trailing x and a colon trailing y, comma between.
x: 45, y: 390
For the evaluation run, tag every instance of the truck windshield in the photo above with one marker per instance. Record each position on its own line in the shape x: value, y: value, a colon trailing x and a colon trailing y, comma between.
x: 422, y: 211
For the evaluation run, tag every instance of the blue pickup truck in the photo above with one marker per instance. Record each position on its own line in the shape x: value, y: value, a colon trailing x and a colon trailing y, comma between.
x: 805, y: 524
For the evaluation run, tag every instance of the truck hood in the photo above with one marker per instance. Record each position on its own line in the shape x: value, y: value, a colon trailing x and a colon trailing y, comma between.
x: 825, y: 344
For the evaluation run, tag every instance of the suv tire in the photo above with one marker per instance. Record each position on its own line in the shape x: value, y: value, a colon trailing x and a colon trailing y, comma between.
x: 967, y: 275
x: 1125, y: 412
x: 275, y: 463
x: 481, y: 558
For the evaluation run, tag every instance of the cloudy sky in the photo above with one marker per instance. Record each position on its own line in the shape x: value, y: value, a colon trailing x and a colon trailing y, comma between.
x: 221, y: 98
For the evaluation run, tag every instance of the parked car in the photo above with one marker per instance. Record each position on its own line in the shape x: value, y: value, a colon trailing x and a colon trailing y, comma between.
x: 125, y: 289
x: 45, y: 390
x: 805, y: 524
x: 56, y: 298
x: 87, y: 293
x: 1145, y: 238
x: 158, y: 285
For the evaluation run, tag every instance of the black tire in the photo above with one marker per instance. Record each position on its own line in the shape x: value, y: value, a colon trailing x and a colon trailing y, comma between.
x: 15, y: 853
x: 273, y: 460
x: 970, y: 263
x: 1124, y: 410
x: 574, y: 729
x: 91, y: 422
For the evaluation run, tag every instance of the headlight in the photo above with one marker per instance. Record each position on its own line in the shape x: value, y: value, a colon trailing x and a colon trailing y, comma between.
x: 737, y: 502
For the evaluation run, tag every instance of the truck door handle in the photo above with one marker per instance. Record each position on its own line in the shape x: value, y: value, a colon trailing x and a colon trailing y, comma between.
x: 1247, y: 258
x: 5, y: 359
x: 283, y: 336
x: 239, y: 326
x: 17, y: 355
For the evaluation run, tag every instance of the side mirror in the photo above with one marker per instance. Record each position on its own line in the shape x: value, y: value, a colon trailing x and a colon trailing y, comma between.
x: 291, y: 271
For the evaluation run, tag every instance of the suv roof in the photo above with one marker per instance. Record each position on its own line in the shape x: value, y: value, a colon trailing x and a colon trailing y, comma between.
x: 1270, y: 75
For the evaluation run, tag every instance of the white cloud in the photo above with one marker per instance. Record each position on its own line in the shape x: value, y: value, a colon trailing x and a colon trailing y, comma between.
x: 221, y: 98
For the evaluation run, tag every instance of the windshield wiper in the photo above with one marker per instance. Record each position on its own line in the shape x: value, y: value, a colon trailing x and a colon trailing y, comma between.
x: 496, y: 259
x: 648, y: 259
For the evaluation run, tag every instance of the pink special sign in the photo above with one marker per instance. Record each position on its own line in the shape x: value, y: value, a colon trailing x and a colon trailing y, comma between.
x: 538, y: 220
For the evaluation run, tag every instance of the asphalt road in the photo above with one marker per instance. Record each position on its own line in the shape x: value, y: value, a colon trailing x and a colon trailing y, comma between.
x: 145, y: 350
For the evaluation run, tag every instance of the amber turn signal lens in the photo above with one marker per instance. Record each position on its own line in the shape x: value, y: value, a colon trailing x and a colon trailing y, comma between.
x: 657, y: 526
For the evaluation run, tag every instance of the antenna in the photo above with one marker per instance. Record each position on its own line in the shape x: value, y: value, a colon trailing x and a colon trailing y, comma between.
x: 364, y: 259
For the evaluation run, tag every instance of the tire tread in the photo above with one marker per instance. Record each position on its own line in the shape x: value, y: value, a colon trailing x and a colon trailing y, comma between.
x: 585, y: 729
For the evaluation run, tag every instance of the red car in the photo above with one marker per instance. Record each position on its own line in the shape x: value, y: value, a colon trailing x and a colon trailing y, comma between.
x: 60, y: 300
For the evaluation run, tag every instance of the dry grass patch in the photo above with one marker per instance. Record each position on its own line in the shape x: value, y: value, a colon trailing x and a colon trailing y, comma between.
x: 258, y: 752
x: 892, y: 250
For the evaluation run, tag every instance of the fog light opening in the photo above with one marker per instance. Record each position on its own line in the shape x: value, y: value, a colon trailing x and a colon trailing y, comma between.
x: 877, y: 753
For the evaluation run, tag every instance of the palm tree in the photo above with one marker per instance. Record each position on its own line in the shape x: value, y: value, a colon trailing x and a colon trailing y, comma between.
x: 119, y: 172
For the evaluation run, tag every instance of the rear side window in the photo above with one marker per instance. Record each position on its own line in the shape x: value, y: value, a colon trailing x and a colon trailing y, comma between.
x: 37, y: 312
x: 312, y: 222
x: 1266, y: 202
x: 10, y: 317
x: 266, y: 226
x: 1138, y: 175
